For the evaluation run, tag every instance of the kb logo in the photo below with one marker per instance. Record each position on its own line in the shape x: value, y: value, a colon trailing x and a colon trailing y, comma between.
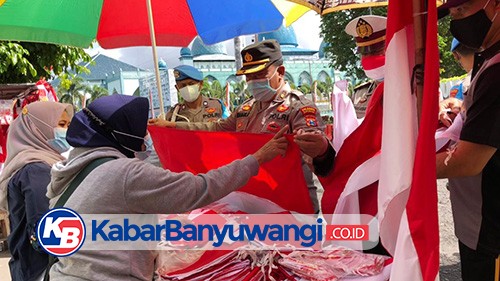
x: 61, y: 232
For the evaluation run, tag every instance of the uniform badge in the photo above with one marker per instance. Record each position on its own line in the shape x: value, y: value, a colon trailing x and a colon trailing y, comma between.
x: 364, y: 29
x: 308, y: 111
x: 25, y: 110
x: 282, y: 108
x: 210, y: 110
x: 273, y: 127
x: 248, y: 57
x: 311, y: 122
x: 246, y: 107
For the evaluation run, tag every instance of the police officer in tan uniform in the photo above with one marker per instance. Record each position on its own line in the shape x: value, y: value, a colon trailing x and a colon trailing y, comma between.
x: 369, y: 34
x: 273, y: 105
x: 195, y: 108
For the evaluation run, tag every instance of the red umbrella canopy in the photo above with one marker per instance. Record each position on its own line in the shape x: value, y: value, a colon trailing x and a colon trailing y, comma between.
x: 116, y: 23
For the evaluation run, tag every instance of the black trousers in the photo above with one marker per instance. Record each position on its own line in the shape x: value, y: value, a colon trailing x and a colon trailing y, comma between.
x: 476, y: 265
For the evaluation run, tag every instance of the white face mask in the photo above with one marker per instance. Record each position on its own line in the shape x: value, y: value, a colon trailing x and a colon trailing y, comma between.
x: 261, y: 89
x: 190, y: 93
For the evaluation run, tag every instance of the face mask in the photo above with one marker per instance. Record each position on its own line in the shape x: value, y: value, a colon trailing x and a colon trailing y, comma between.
x: 374, y: 67
x: 190, y: 93
x: 59, y: 143
x: 261, y: 90
x: 143, y: 155
x: 472, y: 30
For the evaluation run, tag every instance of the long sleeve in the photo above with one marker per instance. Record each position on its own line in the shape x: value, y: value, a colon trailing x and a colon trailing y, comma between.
x: 228, y: 124
x: 153, y: 190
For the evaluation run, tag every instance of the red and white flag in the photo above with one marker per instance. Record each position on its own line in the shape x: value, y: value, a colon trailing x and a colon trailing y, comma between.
x: 407, y: 194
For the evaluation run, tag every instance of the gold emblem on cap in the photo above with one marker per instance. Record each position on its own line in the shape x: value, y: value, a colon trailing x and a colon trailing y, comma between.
x: 25, y: 110
x: 364, y: 29
x: 248, y: 57
x: 176, y: 74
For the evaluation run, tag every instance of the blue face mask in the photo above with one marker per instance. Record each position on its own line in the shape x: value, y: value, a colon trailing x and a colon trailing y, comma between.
x: 261, y: 90
x: 59, y: 143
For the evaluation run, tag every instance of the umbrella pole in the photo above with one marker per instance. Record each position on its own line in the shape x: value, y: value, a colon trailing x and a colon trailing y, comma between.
x: 155, y: 58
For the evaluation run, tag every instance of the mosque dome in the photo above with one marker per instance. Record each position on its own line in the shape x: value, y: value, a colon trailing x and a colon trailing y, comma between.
x: 322, y: 49
x: 285, y: 36
x: 185, y: 52
x: 199, y: 48
x: 162, y: 64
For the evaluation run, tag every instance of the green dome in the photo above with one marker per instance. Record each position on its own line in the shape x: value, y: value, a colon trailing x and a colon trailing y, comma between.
x: 199, y: 48
x: 285, y: 36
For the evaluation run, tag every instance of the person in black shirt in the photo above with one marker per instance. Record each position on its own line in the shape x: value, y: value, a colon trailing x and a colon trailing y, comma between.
x: 473, y: 165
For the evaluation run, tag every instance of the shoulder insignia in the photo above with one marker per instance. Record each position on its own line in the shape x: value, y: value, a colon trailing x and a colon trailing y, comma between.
x: 210, y: 110
x: 311, y: 122
x: 308, y: 111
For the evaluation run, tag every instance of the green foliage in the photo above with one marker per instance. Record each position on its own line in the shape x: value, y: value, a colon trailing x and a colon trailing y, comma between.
x: 449, y: 66
x: 22, y: 62
x: 341, y: 46
x: 74, y: 90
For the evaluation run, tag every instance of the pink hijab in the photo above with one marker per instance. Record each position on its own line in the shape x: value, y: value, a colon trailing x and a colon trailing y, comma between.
x: 27, y: 140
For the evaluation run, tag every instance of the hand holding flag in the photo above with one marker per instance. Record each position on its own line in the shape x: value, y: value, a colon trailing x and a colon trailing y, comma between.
x: 276, y: 146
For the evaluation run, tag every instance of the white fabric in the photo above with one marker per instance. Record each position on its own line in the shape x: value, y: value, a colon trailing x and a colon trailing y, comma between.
x: 344, y: 117
x: 398, y: 154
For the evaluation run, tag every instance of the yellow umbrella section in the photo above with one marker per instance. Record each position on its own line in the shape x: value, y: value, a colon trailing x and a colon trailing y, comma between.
x: 292, y: 10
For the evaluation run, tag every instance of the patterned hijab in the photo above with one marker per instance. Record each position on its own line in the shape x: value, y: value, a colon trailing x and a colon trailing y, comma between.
x: 27, y: 140
x: 117, y: 121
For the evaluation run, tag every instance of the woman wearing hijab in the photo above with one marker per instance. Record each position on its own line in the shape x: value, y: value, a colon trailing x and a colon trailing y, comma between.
x: 35, y: 142
x: 115, y: 126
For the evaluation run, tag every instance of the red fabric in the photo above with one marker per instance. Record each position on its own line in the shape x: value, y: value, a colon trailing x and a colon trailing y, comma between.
x: 372, y: 62
x: 133, y: 25
x: 359, y: 146
x: 280, y: 180
x: 422, y: 203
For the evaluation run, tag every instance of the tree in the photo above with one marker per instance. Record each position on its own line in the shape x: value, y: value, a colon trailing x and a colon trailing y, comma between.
x: 27, y: 62
x: 76, y: 91
x: 340, y: 49
x: 96, y: 92
x: 72, y: 90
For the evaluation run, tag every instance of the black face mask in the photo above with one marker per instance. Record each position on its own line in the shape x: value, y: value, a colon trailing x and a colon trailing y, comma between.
x: 471, y: 30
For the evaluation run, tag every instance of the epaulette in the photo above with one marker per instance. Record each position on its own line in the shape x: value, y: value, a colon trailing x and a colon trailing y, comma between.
x: 296, y: 95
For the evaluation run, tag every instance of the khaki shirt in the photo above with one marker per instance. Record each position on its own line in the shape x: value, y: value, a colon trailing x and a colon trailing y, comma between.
x: 209, y: 111
x: 361, y: 97
x: 289, y: 107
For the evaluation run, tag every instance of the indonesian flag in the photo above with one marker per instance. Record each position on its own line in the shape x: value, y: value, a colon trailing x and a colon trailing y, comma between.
x: 351, y: 188
x: 280, y: 180
x: 407, y: 194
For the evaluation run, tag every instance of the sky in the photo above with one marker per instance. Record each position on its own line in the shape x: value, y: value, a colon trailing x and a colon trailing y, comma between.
x: 306, y: 29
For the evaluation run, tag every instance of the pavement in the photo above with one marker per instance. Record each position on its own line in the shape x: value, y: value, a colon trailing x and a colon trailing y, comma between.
x: 450, y: 260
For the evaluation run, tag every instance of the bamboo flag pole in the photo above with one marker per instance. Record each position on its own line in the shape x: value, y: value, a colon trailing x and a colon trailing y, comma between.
x: 155, y: 58
x: 419, y: 23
